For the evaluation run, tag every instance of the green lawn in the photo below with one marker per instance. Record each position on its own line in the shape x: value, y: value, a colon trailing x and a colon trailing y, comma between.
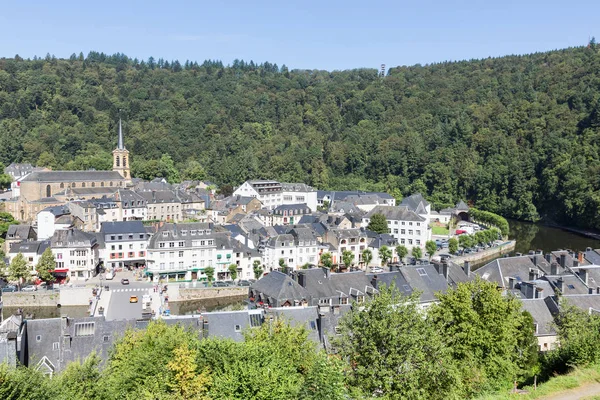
x: 439, y: 230
x: 578, y: 377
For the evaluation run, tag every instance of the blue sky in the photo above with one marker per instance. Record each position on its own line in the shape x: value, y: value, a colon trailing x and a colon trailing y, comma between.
x: 301, y: 34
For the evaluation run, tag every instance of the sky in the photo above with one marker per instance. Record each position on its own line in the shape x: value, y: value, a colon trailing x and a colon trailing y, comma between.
x: 329, y: 35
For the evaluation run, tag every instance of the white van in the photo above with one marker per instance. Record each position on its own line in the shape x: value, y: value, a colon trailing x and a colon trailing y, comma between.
x: 109, y: 276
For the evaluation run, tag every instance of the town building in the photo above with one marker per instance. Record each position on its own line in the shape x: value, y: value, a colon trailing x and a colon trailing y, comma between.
x: 125, y: 244
x: 76, y: 254
x: 404, y: 224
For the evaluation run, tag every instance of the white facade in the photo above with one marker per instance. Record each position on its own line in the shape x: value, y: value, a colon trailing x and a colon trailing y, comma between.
x: 268, y: 192
x: 293, y: 251
x: 299, y: 194
x: 79, y: 261
x: 46, y: 224
x: 405, y: 225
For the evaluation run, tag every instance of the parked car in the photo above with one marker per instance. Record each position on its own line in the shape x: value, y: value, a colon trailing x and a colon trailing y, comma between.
x: 376, y: 270
x: 29, y: 288
x: 9, y: 289
x: 124, y: 281
x: 110, y: 276
x: 219, y: 284
x: 244, y: 283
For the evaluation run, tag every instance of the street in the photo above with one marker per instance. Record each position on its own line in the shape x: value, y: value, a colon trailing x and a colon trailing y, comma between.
x: 118, y: 295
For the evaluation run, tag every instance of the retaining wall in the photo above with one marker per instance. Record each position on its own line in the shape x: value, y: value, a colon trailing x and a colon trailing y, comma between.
x: 31, y: 299
x: 488, y: 254
x: 208, y: 293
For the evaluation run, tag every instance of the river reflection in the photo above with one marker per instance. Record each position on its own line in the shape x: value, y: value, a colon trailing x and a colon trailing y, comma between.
x: 535, y: 236
x: 189, y: 307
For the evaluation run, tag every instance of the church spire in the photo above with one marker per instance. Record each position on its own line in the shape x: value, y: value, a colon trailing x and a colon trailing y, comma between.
x: 120, y: 145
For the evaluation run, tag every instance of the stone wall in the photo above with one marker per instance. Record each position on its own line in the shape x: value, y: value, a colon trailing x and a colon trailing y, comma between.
x: 208, y: 293
x: 76, y: 296
x: 488, y: 254
x: 31, y: 299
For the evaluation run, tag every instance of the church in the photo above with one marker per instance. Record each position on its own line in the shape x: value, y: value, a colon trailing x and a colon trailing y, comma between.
x: 41, y: 189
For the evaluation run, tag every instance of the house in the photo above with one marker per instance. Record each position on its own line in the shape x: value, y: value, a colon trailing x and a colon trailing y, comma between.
x: 289, y: 214
x: 32, y: 250
x: 55, y: 218
x: 163, y: 205
x: 86, y: 212
x: 299, y: 193
x: 419, y: 205
x: 330, y: 197
x: 353, y: 240
x: 76, y: 253
x: 18, y: 233
x: 181, y: 251
x: 296, y: 247
x: 543, y: 321
x: 132, y: 206
x: 270, y: 193
x: 404, y: 224
x: 125, y: 244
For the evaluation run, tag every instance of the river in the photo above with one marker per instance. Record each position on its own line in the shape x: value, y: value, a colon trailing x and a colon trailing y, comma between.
x: 536, y: 236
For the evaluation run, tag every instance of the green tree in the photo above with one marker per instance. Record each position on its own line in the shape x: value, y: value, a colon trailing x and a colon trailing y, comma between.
x: 6, y: 220
x: 378, y: 224
x: 402, y: 252
x: 327, y: 261
x: 18, y: 270
x: 194, y: 171
x: 46, y: 265
x: 257, y: 269
x: 385, y: 254
x: 390, y: 335
x: 465, y: 241
x: 283, y: 266
x: 347, y: 258
x: 431, y: 248
x: 481, y: 327
x: 210, y: 274
x: 233, y: 272
x: 367, y: 257
x: 416, y: 252
x: 452, y: 245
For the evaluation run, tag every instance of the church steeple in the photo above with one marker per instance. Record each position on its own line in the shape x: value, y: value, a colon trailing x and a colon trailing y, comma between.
x: 121, y: 156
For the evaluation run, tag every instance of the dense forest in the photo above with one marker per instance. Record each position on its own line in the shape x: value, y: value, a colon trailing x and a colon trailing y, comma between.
x: 516, y: 135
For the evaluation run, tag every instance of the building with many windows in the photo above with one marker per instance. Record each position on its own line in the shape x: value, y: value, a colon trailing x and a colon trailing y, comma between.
x: 76, y: 254
x: 181, y: 251
x: 124, y: 244
x: 404, y: 224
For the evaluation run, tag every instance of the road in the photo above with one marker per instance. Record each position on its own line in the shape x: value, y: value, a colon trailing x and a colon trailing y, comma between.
x: 119, y: 306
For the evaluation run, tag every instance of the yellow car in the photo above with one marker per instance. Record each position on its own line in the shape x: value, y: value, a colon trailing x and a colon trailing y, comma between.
x: 133, y: 299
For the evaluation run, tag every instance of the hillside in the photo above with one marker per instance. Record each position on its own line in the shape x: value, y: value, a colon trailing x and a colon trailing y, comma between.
x: 517, y: 135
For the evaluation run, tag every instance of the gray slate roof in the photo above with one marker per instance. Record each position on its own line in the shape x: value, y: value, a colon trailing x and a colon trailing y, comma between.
x: 122, y: 227
x: 541, y: 316
x: 72, y: 176
x: 398, y: 213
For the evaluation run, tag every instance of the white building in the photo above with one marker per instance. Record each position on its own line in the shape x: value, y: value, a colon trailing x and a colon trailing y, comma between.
x: 76, y: 254
x: 270, y: 193
x: 181, y: 251
x: 32, y: 250
x: 125, y: 244
x: 52, y: 219
x: 299, y: 193
x: 296, y: 248
x: 132, y: 206
x: 405, y: 225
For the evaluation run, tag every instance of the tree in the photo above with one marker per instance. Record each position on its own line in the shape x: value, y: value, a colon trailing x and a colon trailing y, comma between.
x: 18, y: 269
x: 282, y: 266
x: 367, y: 257
x: 378, y: 224
x: 431, y: 248
x: 452, y: 245
x: 194, y: 171
x: 233, y: 271
x: 416, y: 252
x: 257, y: 269
x: 6, y: 220
x: 327, y: 260
x: 46, y: 265
x: 465, y: 241
x: 402, y: 252
x: 186, y: 381
x: 385, y: 254
x: 481, y: 327
x: 393, y: 352
x: 210, y: 274
x: 347, y: 258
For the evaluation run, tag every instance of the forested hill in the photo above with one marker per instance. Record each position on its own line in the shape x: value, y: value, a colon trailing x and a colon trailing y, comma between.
x: 517, y: 135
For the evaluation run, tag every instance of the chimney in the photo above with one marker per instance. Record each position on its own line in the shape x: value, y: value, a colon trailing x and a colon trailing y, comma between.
x: 590, y: 290
x: 531, y: 252
x: 445, y: 270
x: 539, y: 293
x: 518, y: 254
x: 583, y: 274
x: 563, y: 260
x: 374, y: 281
x: 575, y: 263
x: 549, y: 258
x: 535, y: 260
x: 554, y: 268
x: 511, y: 282
x: 559, y: 284
x: 580, y: 257
x: 326, y: 271
x: 301, y: 279
x: 533, y: 274
x: 598, y: 290
x: 528, y: 290
x: 467, y: 268
x: 588, y: 249
x: 540, y: 252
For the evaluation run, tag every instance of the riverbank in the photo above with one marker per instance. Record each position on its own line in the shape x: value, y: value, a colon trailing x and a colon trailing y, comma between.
x: 485, y: 255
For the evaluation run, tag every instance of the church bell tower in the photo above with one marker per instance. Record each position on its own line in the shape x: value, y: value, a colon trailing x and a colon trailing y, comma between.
x: 121, y: 157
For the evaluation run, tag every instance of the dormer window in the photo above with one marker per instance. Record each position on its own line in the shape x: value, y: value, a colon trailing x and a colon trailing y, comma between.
x: 184, y: 233
x: 165, y: 234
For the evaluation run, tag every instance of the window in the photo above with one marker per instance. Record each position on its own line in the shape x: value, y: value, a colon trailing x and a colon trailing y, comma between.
x: 171, y: 254
x: 238, y: 328
x: 120, y: 237
x: 255, y: 320
x: 55, y: 346
x: 162, y: 266
x: 141, y: 236
x: 403, y: 223
x: 105, y: 338
x: 180, y: 264
x: 418, y: 224
x: 396, y: 231
x: 38, y: 338
x: 85, y: 328
x: 171, y: 265
x: 184, y: 232
x: 161, y: 245
x: 421, y: 272
x: 181, y: 244
x: 112, y: 238
x: 410, y: 241
x: 403, y: 231
x: 418, y: 232
x: 193, y: 232
x: 171, y: 244
x: 131, y: 246
x: 165, y: 234
x: 418, y: 242
x: 181, y: 254
x: 410, y: 232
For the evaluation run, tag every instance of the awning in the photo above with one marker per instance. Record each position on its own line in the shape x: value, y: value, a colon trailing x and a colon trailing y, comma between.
x: 64, y: 270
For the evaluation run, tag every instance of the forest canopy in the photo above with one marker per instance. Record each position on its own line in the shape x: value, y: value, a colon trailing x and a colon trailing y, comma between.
x: 518, y: 135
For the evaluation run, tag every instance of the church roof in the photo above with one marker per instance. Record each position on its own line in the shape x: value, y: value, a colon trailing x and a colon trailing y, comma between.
x: 72, y: 176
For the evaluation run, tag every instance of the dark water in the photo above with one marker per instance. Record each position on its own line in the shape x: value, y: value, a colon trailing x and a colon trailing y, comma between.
x: 48, y: 312
x: 195, y: 306
x: 534, y: 236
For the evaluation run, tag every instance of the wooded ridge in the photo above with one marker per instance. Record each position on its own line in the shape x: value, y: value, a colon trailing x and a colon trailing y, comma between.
x: 516, y: 135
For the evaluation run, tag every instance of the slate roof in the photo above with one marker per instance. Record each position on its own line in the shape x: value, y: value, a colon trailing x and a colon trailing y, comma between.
x: 32, y: 246
x: 72, y: 238
x: 296, y: 187
x: 72, y: 176
x: 584, y: 302
x: 58, y: 210
x: 414, y: 201
x: 397, y: 213
x: 175, y: 232
x: 130, y: 199
x: 541, y: 316
x: 287, y: 207
x: 279, y: 288
x: 592, y: 256
x: 117, y: 227
x: 326, y: 285
x: 21, y: 232
x: 425, y: 279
